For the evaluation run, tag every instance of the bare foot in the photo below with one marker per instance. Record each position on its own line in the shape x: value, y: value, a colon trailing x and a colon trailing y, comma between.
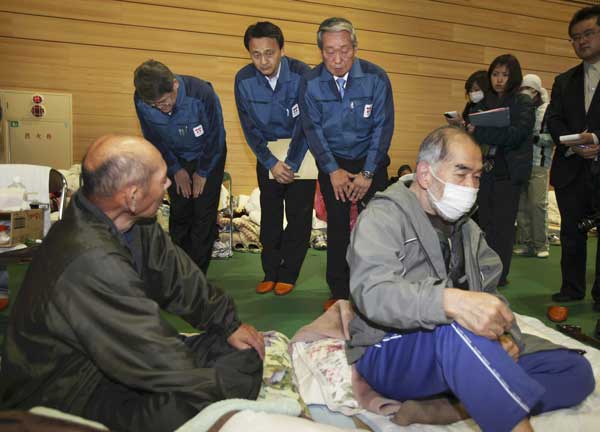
x: 523, y: 426
x: 439, y: 411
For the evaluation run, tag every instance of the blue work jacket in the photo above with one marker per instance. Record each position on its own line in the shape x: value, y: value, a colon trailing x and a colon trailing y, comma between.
x: 358, y: 126
x: 267, y: 114
x: 194, y: 129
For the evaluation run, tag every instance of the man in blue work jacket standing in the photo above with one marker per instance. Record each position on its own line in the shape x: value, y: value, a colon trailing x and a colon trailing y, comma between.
x: 347, y: 112
x: 181, y: 115
x: 266, y: 94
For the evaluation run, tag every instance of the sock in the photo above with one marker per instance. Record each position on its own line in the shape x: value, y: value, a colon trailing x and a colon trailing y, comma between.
x: 440, y: 411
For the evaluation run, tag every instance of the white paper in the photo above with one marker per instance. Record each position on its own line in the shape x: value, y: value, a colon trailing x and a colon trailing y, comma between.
x: 308, y: 168
x: 572, y: 137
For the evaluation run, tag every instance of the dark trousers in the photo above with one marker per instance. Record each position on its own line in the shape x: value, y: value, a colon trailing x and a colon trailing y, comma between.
x: 575, y: 202
x: 498, y: 201
x: 338, y: 224
x: 284, y: 250
x: 120, y: 408
x: 193, y: 221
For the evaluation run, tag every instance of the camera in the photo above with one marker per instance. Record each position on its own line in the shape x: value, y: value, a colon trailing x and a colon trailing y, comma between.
x: 588, y: 223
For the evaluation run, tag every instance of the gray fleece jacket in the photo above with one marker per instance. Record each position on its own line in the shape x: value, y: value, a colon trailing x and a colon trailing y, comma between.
x: 398, y: 275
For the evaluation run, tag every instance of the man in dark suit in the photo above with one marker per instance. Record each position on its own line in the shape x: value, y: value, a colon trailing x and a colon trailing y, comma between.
x: 575, y: 175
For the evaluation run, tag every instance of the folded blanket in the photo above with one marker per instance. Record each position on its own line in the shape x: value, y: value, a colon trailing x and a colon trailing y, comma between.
x: 323, y: 375
x: 322, y: 370
x: 248, y: 234
x: 278, y: 379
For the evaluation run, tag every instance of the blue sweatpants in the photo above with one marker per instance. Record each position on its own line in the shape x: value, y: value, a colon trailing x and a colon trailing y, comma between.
x: 496, y: 391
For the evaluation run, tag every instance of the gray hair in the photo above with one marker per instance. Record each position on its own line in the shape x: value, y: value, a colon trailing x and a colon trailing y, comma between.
x: 335, y: 24
x: 115, y: 173
x: 434, y: 147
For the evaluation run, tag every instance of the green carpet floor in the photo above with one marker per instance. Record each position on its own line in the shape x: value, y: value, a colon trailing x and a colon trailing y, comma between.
x: 532, y: 281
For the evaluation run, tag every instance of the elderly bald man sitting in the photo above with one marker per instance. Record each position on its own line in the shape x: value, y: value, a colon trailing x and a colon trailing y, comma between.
x: 85, y: 335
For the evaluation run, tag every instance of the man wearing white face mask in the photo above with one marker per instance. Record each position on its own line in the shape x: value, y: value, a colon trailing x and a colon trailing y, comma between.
x: 430, y: 319
x: 456, y: 200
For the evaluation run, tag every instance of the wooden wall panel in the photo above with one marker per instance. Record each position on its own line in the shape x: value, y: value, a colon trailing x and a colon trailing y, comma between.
x: 518, y: 17
x: 428, y: 47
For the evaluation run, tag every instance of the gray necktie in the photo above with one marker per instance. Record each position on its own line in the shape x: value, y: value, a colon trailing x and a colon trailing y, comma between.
x: 340, y: 83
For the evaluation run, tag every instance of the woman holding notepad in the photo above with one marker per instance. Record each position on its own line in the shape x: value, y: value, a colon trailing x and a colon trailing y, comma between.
x: 506, y: 135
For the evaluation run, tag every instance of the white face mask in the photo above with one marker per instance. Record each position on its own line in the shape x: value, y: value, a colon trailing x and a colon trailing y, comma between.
x: 476, y: 96
x: 455, y: 202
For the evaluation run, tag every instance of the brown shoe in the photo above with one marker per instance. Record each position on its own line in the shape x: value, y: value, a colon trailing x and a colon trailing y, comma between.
x: 265, y: 287
x: 328, y: 304
x: 282, y: 288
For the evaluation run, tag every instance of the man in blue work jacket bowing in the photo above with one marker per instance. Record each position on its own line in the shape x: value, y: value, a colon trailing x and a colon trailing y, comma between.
x: 347, y: 113
x: 266, y: 94
x: 181, y: 115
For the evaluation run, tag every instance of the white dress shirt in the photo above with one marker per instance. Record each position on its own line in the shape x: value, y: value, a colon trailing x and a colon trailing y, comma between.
x: 273, y: 81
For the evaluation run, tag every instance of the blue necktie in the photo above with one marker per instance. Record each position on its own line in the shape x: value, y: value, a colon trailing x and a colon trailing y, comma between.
x: 340, y: 83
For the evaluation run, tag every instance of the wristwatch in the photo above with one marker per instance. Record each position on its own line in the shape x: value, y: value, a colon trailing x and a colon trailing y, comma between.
x: 367, y: 174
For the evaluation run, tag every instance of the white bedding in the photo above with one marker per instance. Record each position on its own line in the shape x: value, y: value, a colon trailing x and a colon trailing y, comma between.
x: 585, y: 417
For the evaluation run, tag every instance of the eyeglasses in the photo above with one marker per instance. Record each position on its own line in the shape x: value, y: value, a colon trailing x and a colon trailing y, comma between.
x: 165, y: 102
x: 161, y: 105
x: 587, y: 35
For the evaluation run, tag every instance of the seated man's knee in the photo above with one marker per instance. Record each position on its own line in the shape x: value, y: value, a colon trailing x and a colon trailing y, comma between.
x: 583, y: 375
x: 239, y: 374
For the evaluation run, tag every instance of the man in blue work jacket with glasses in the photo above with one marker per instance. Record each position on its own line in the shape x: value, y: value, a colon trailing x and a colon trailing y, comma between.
x: 266, y: 94
x: 347, y: 112
x: 181, y: 115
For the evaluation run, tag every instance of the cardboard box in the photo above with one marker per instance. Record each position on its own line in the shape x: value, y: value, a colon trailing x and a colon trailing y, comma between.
x: 24, y: 224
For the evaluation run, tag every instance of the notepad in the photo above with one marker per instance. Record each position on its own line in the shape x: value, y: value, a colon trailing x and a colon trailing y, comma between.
x: 572, y: 137
x: 499, y: 117
x: 308, y: 168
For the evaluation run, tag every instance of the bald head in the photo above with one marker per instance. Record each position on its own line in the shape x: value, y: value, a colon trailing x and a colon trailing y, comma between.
x: 113, y: 162
x: 443, y: 142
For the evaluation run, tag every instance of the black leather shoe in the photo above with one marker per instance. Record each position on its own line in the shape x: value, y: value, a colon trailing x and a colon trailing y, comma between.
x: 561, y: 297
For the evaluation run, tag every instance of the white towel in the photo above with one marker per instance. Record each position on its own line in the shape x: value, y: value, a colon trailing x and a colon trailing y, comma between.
x: 35, y: 178
x: 209, y: 415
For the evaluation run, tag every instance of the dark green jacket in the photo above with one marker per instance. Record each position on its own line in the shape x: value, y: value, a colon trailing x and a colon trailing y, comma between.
x: 85, y: 311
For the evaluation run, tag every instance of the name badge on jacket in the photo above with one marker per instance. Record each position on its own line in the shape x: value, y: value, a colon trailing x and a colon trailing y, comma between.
x: 295, y: 111
x: 198, y: 131
x: 368, y: 110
